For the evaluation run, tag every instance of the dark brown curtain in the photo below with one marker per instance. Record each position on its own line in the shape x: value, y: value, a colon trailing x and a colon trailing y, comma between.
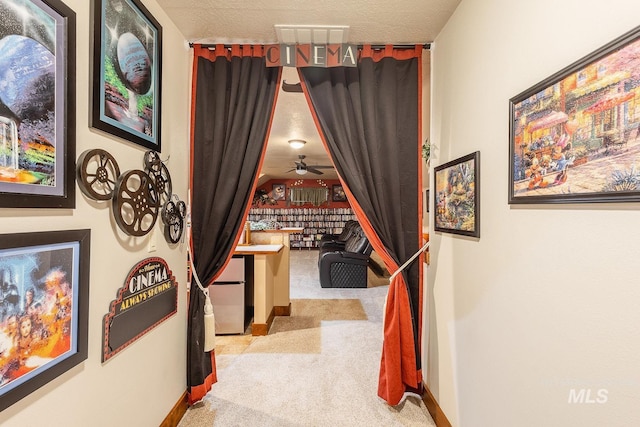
x: 233, y: 101
x: 369, y: 119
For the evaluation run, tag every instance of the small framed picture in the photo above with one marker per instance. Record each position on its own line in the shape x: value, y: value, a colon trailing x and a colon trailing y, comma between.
x: 278, y: 192
x: 127, y: 72
x: 338, y: 193
x: 457, y: 196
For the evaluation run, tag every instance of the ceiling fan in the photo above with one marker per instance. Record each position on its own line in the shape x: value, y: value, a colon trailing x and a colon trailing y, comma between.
x: 302, y: 168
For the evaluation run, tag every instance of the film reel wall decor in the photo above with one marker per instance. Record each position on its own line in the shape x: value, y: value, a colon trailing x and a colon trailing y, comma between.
x: 174, y: 210
x: 173, y: 216
x: 135, y: 203
x: 97, y: 172
x: 137, y: 196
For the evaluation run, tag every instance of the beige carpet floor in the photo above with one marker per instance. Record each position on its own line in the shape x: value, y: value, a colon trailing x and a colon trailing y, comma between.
x: 317, y: 367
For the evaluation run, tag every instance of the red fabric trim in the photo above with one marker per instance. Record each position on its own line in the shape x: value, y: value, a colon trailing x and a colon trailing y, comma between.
x: 367, y: 51
x: 398, y: 363
x: 194, y: 81
x: 255, y: 181
x: 398, y: 367
x: 195, y: 394
x: 420, y: 213
x: 236, y: 50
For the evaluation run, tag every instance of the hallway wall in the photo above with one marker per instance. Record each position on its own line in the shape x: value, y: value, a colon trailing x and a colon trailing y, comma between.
x: 547, y: 299
x: 140, y: 385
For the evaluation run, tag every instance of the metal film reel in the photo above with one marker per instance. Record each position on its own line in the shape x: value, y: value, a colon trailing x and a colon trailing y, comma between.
x: 97, y: 172
x: 182, y: 209
x: 136, y: 203
x: 168, y: 210
x: 152, y: 161
x: 173, y: 228
x: 160, y: 174
x: 173, y: 218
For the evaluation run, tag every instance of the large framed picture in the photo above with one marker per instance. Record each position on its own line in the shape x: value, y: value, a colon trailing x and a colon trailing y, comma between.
x: 127, y: 72
x: 574, y: 136
x: 37, y: 104
x: 457, y: 196
x: 43, y: 309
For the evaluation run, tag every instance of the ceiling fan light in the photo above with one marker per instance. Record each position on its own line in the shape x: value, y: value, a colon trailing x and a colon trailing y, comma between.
x: 297, y: 143
x: 301, y: 171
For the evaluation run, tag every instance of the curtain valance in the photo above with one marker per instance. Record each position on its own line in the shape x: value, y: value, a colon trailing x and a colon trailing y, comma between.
x: 315, y: 196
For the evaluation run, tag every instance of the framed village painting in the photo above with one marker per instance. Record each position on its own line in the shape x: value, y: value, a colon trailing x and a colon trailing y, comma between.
x: 457, y: 196
x: 127, y: 71
x: 37, y: 104
x: 43, y: 309
x: 574, y: 136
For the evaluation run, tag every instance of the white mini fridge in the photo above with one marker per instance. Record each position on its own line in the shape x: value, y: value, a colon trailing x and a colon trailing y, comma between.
x: 227, y: 298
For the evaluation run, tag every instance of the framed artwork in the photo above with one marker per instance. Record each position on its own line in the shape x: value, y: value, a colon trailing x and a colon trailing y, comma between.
x: 456, y: 196
x: 338, y: 194
x: 43, y: 309
x: 574, y: 136
x: 37, y: 104
x: 127, y: 72
x: 278, y: 192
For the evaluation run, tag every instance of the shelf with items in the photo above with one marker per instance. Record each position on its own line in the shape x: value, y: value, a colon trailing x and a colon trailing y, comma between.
x: 315, y: 222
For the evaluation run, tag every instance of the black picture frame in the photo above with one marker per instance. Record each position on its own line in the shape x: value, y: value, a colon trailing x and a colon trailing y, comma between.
x: 127, y: 69
x: 37, y: 111
x: 53, y: 267
x: 338, y: 194
x: 573, y: 138
x: 456, y: 196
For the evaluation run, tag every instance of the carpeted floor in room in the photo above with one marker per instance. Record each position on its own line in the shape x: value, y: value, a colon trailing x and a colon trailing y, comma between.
x: 318, y: 367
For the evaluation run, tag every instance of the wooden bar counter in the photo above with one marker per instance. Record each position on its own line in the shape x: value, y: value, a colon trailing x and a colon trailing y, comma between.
x: 281, y: 298
x: 265, y: 262
x: 270, y: 249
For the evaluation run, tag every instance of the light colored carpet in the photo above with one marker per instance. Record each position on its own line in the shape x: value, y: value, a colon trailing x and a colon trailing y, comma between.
x: 318, y: 367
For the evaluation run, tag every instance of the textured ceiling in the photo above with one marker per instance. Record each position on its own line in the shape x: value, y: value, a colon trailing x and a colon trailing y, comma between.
x: 245, y: 21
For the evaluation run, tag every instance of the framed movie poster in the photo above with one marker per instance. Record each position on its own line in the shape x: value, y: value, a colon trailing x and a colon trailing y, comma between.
x: 457, y: 196
x: 278, y: 191
x: 43, y: 308
x: 37, y: 104
x: 338, y: 193
x: 127, y: 72
x: 574, y: 136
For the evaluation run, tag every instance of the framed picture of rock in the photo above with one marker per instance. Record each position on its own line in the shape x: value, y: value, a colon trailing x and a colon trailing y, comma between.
x: 127, y: 72
x: 37, y: 104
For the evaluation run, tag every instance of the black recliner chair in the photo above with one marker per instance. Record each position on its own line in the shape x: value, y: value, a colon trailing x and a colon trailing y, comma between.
x: 347, y: 267
x: 337, y: 241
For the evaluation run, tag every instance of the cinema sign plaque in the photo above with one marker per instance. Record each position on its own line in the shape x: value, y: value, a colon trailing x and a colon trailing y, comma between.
x: 148, y: 297
x: 311, y: 55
